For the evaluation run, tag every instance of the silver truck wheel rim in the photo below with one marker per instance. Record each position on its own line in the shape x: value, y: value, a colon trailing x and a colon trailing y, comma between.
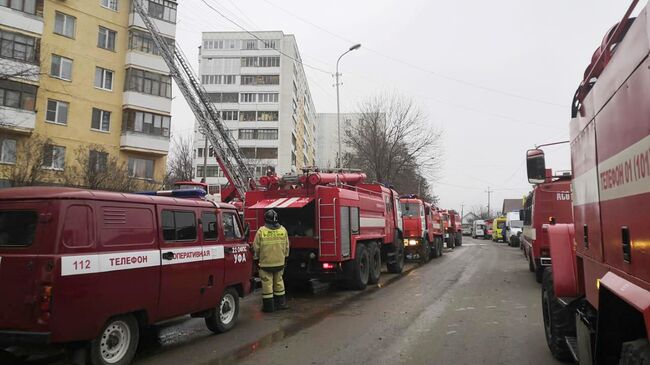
x: 227, y: 309
x: 115, y: 342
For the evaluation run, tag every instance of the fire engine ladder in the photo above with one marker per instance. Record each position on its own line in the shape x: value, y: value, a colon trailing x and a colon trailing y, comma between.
x: 327, y: 228
x: 225, y: 147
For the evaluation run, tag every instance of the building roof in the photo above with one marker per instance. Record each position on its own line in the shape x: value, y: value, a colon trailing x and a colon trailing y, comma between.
x: 511, y: 205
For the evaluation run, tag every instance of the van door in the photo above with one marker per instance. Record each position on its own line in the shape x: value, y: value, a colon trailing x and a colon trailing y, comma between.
x: 213, y: 265
x: 238, y: 259
x: 182, y: 276
x: 25, y: 257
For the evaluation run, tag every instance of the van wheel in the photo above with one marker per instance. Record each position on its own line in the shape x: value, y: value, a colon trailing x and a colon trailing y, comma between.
x: 557, y: 320
x: 375, y: 263
x: 358, y: 270
x: 117, y: 343
x: 223, y: 318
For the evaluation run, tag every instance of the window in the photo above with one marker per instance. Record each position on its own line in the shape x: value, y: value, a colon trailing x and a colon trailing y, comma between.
x: 178, y: 225
x: 18, y: 47
x: 229, y: 115
x: 199, y: 152
x: 26, y: 6
x: 209, y: 223
x: 247, y: 134
x: 64, y: 24
x: 269, y: 116
x: 148, y: 123
x: 140, y: 168
x: 223, y: 97
x: 212, y: 170
x: 249, y: 44
x: 260, y: 79
x: 247, y: 97
x: 265, y: 134
x: 17, y: 228
x: 97, y: 161
x: 141, y: 41
x: 247, y: 80
x: 269, y: 61
x: 53, y: 157
x: 229, y: 79
x: 101, y: 120
x: 230, y: 225
x: 148, y: 82
x: 106, y: 39
x: 269, y: 44
x: 163, y: 10
x: 267, y: 97
x: 57, y: 111
x: 61, y: 67
x: 77, y: 216
x: 17, y: 95
x: 267, y: 153
x: 247, y: 116
x: 249, y: 62
x: 7, y: 150
x: 103, y: 78
x: 111, y: 4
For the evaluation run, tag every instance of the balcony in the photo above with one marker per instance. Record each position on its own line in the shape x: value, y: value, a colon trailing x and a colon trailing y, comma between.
x: 146, y: 101
x: 19, y: 70
x: 147, y: 61
x: 144, y: 143
x: 17, y: 120
x: 19, y: 20
x: 166, y: 28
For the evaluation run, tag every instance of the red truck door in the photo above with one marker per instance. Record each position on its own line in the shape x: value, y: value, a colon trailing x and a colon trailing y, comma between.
x: 182, y: 279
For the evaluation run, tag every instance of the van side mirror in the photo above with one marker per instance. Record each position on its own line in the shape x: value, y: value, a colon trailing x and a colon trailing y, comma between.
x: 536, y: 166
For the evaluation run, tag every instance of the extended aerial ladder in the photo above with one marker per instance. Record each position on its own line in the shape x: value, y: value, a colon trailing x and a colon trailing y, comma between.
x: 226, y: 150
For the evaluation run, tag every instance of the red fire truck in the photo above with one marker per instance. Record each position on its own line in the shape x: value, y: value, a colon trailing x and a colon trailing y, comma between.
x: 456, y: 227
x: 92, y: 267
x: 340, y: 228
x: 422, y: 229
x: 596, y: 296
x: 549, y: 202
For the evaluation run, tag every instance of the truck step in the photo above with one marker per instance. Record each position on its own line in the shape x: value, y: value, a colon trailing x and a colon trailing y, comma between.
x: 572, y: 344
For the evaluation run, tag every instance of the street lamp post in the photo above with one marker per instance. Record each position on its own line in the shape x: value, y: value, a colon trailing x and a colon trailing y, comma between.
x: 338, y: 107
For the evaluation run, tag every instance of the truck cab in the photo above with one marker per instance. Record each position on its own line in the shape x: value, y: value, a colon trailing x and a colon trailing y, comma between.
x: 422, y: 234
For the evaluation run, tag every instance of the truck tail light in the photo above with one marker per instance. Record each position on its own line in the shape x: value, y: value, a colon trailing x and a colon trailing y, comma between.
x: 45, y: 303
x: 328, y: 266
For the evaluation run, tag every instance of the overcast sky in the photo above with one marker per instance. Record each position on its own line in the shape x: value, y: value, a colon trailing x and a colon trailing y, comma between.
x: 496, y: 76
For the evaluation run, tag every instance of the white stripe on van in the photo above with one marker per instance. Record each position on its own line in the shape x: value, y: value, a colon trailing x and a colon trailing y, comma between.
x: 114, y: 261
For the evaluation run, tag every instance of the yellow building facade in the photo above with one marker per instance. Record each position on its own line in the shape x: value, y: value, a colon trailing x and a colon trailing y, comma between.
x: 103, y: 92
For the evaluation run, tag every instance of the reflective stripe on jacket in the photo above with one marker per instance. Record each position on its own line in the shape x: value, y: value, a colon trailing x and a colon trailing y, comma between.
x: 271, y: 246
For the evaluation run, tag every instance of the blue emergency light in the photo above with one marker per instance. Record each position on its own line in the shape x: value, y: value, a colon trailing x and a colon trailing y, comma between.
x: 178, y: 193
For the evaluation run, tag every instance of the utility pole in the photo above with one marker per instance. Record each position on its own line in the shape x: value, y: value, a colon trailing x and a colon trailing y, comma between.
x: 488, y: 193
x: 462, y: 212
x: 338, y: 108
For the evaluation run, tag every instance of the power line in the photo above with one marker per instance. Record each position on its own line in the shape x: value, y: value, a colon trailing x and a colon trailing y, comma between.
x: 419, y: 68
x: 262, y: 40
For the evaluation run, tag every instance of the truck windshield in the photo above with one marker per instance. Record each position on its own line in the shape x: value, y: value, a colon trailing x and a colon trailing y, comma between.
x: 17, y: 228
x: 410, y: 209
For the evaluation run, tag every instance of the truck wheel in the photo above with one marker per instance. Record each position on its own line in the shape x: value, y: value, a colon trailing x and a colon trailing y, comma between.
x: 425, y: 252
x: 359, y: 269
x: 459, y: 239
x: 117, y: 343
x: 375, y: 263
x: 397, y: 264
x: 558, y: 322
x: 450, y: 241
x: 635, y: 352
x: 223, y: 318
x: 539, y: 274
x: 441, y: 246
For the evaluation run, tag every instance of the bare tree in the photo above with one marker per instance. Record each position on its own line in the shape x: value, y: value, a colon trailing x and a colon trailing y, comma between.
x: 179, y: 161
x: 30, y: 153
x: 394, y: 143
x: 479, y: 212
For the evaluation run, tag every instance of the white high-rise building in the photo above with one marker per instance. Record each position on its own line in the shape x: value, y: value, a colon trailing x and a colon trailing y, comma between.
x: 258, y: 84
x: 327, y: 137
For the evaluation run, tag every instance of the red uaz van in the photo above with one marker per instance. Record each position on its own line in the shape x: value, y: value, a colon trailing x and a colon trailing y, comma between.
x: 93, y: 266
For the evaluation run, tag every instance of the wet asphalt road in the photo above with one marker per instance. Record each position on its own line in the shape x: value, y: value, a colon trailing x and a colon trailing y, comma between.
x: 478, y: 304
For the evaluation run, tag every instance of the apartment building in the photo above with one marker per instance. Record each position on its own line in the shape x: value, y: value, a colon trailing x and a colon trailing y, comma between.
x: 86, y: 75
x: 258, y: 84
x: 328, y: 137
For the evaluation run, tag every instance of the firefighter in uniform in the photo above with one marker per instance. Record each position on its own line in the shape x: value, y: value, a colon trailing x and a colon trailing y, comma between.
x: 271, y: 247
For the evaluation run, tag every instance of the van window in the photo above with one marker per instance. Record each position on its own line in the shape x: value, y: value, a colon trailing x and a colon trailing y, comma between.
x: 230, y: 226
x: 17, y: 228
x: 209, y: 221
x: 79, y: 228
x: 178, y: 225
x: 126, y: 226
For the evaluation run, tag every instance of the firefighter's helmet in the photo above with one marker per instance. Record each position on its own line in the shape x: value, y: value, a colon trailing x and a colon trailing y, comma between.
x: 271, y: 216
